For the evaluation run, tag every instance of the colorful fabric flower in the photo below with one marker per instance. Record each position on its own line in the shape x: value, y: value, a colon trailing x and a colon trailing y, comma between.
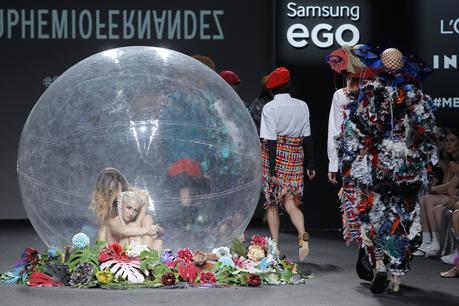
x: 255, y: 253
x: 112, y: 251
x: 135, y: 249
x: 53, y: 252
x: 199, y: 258
x: 80, y: 241
x: 258, y: 240
x: 185, y: 254
x: 208, y: 278
x: 267, y: 262
x: 188, y: 271
x: 271, y: 247
x: 226, y: 261
x: 222, y: 252
x: 104, y: 277
x: 168, y: 279
x: 253, y: 280
x: 238, y: 261
x: 82, y: 274
x: 167, y: 257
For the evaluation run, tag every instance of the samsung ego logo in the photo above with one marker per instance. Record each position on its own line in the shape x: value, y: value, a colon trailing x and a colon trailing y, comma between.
x: 323, y: 35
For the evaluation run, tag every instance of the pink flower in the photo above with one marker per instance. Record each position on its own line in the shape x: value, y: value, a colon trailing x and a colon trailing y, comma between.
x: 238, y: 261
x: 208, y: 278
x: 185, y: 254
x: 259, y: 241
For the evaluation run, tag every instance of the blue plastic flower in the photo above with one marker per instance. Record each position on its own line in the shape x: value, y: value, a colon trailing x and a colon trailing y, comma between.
x: 226, y: 261
x: 52, y: 252
x: 80, y: 241
x: 266, y: 262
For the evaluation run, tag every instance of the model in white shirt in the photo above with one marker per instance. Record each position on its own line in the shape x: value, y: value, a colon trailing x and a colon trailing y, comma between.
x: 287, y: 116
x: 335, y: 121
x: 275, y: 113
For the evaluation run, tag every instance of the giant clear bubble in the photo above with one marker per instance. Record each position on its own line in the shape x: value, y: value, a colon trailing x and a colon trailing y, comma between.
x: 166, y: 122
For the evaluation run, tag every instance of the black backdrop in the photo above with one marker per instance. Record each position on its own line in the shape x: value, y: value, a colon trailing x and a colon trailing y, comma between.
x: 253, y: 42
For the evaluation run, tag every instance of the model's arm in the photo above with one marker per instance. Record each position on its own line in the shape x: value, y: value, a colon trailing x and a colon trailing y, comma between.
x: 441, y: 189
x: 335, y: 120
x: 268, y: 132
x: 121, y: 231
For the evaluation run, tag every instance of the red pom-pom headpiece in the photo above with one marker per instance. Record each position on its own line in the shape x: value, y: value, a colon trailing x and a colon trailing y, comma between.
x: 185, y: 166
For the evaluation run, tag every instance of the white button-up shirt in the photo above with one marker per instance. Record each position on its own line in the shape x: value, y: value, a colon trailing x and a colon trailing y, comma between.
x: 285, y: 116
x: 335, y: 121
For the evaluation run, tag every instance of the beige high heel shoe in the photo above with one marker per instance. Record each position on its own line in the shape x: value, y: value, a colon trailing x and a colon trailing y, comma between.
x: 303, y: 244
x: 452, y: 273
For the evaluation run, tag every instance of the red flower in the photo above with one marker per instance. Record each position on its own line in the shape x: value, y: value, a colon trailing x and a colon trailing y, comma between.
x: 39, y: 279
x: 259, y: 241
x: 253, y: 280
x: 188, y: 271
x: 113, y: 251
x: 208, y: 278
x: 168, y: 279
x: 185, y: 254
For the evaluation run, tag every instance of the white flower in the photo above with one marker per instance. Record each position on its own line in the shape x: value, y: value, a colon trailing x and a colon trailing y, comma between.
x: 271, y: 247
x: 222, y: 252
x: 135, y: 249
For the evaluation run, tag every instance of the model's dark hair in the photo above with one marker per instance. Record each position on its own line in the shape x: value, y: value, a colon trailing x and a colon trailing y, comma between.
x: 286, y: 88
x: 454, y: 132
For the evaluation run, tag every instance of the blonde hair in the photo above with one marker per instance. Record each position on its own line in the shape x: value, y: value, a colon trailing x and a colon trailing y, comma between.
x: 133, y: 195
x: 108, y: 182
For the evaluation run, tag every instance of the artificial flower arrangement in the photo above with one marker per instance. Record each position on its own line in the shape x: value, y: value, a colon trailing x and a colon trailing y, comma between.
x: 111, y: 266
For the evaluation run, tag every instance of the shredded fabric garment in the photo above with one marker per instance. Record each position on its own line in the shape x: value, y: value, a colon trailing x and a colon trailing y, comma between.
x: 385, y: 149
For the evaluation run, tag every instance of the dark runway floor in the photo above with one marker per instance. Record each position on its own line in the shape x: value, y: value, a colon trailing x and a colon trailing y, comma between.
x: 330, y: 261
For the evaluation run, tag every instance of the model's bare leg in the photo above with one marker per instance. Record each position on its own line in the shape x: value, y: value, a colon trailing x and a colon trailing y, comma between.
x: 295, y: 213
x: 426, y: 234
x: 157, y: 245
x: 431, y: 202
x: 455, y: 220
x: 437, y: 215
x: 424, y: 225
x: 297, y: 218
x: 272, y: 216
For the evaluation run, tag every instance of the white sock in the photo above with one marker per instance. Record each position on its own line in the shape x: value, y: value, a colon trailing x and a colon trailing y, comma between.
x: 426, y: 238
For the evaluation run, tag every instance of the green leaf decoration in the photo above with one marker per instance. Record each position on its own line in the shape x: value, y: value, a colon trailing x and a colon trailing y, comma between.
x: 286, y: 275
x: 270, y: 278
x: 238, y: 248
x: 159, y: 270
x: 149, y: 259
x: 87, y: 254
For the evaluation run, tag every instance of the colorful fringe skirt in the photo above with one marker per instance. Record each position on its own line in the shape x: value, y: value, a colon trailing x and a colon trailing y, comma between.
x: 289, y: 171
